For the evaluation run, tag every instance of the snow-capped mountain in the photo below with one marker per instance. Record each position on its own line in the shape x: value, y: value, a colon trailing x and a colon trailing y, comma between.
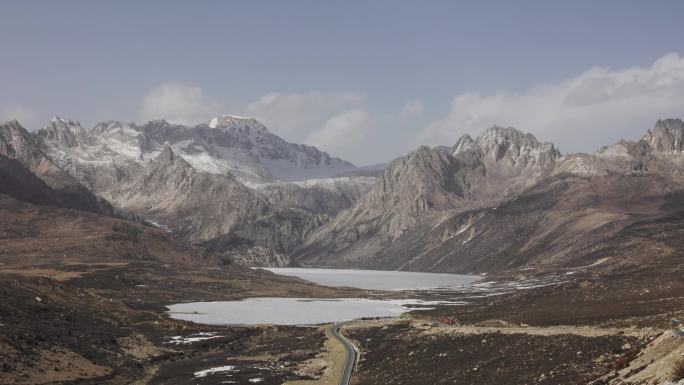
x: 228, y: 144
x: 229, y: 182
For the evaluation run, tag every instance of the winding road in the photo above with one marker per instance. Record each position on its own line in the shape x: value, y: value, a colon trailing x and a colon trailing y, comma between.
x: 350, y: 359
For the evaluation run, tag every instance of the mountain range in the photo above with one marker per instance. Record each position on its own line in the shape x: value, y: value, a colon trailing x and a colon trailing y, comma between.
x: 502, y: 200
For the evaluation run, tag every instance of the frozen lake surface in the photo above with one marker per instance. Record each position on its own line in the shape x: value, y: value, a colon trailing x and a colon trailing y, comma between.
x: 292, y: 311
x: 377, y: 279
x: 303, y: 311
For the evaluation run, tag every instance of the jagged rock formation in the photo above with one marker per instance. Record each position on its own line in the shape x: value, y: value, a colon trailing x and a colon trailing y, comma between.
x: 503, y: 200
x: 503, y: 154
x: 658, y: 151
x: 667, y: 136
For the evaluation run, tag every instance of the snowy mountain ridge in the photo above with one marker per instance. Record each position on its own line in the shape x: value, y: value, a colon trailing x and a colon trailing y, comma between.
x: 232, y: 144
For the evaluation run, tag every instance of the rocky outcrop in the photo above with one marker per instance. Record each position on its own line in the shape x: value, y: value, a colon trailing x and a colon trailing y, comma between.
x: 502, y: 162
x: 666, y: 137
x: 66, y: 132
x: 258, y: 257
x: 658, y: 152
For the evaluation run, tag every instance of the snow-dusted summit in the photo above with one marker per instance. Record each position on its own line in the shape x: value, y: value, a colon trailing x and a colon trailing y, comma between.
x: 227, y: 144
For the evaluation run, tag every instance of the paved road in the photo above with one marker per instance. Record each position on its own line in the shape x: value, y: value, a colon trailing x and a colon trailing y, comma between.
x: 350, y: 360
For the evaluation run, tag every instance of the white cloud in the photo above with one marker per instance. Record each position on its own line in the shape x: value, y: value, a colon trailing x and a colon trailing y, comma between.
x: 178, y: 103
x: 21, y: 113
x: 596, y: 107
x: 411, y: 109
x: 341, y: 132
x: 300, y: 112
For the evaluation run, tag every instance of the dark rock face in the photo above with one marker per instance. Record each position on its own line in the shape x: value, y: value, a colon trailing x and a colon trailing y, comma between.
x: 21, y: 184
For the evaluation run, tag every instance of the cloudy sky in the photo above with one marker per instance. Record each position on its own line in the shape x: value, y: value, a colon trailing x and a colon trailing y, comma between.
x: 364, y: 80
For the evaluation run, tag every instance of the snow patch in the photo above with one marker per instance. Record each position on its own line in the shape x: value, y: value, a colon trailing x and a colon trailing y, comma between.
x: 178, y: 340
x: 219, y: 369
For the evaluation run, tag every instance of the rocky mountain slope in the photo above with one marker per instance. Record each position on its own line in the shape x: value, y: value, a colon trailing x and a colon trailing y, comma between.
x: 210, y: 208
x: 58, y: 186
x: 193, y: 181
x: 19, y: 183
x: 505, y: 200
x: 190, y: 181
x: 169, y: 191
x: 426, y: 182
x: 321, y: 196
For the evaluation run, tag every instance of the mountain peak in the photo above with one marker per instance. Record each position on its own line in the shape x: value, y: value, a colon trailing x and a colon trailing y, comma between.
x: 64, y: 121
x: 65, y: 131
x: 167, y: 155
x: 501, y: 142
x: 14, y: 125
x: 158, y: 122
x: 505, y: 133
x: 230, y: 121
x: 464, y: 143
x: 168, y: 158
x: 667, y: 136
x: 112, y: 126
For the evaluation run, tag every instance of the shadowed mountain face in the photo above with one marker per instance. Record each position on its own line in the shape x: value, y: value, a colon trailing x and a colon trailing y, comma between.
x: 19, y: 183
x: 505, y: 200
x: 58, y: 187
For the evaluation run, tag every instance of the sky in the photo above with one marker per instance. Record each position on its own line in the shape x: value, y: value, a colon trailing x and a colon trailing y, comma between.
x: 364, y: 80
